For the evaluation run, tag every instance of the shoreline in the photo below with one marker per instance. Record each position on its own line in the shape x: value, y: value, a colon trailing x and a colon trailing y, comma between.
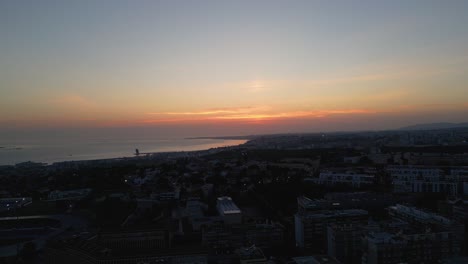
x: 226, y: 137
x: 145, y: 155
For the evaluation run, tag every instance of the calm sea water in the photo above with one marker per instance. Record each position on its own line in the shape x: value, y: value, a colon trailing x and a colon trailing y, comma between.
x: 12, y: 152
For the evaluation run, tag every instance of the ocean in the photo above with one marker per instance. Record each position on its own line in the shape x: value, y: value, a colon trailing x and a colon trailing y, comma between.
x: 50, y: 151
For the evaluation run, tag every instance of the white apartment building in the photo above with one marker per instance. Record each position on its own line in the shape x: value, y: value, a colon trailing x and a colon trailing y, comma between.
x: 428, y: 179
x: 345, y: 177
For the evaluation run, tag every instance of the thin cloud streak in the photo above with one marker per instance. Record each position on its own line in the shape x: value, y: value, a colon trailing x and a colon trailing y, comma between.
x: 242, y: 115
x: 214, y: 111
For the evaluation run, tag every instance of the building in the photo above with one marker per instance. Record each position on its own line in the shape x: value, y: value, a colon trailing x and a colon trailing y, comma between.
x: 347, y: 177
x: 251, y: 255
x: 166, y: 195
x: 415, y: 172
x: 194, y: 211
x: 429, y: 179
x: 418, y: 216
x: 133, y: 247
x: 306, y: 205
x: 311, y: 227
x: 136, y: 239
x: 460, y: 211
x: 76, y: 194
x: 429, y: 221
x: 264, y: 235
x: 222, y: 236
x: 382, y: 248
x: 344, y: 242
x: 415, y: 247
x: 7, y: 204
x: 235, y: 236
x: 228, y: 210
x: 316, y: 259
x: 16, y: 231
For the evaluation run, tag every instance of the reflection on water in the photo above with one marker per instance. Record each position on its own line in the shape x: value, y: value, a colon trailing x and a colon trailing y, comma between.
x: 50, y: 152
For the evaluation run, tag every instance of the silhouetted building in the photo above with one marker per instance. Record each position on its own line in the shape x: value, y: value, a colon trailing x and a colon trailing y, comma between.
x: 316, y: 259
x: 430, y: 221
x: 132, y: 247
x: 235, y: 236
x: 311, y: 227
x: 418, y: 247
x: 251, y: 255
x: 344, y: 242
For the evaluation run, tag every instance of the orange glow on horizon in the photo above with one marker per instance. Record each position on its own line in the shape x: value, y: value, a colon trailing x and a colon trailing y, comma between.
x: 225, y: 116
x: 245, y: 114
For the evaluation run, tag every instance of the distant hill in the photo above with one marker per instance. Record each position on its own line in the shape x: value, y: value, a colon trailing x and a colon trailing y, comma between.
x: 434, y: 126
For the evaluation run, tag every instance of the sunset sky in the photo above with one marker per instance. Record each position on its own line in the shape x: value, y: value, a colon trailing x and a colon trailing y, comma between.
x: 232, y: 67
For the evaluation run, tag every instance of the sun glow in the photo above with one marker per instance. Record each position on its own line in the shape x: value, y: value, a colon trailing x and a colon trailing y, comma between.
x: 247, y: 114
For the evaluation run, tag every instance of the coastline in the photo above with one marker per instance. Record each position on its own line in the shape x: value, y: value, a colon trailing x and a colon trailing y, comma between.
x: 249, y: 137
x: 145, y: 155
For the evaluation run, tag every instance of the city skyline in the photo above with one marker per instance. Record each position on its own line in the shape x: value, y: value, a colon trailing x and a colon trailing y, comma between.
x: 221, y: 67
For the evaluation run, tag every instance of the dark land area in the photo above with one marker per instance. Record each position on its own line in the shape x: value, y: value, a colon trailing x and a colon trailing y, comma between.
x: 363, y: 197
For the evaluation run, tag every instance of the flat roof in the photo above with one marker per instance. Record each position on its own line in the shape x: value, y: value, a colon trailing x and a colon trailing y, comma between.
x: 316, y: 259
x: 333, y: 213
x: 227, y: 206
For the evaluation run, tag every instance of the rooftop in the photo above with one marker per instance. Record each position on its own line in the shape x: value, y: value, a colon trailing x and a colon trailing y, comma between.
x: 317, y: 259
x: 419, y: 214
x: 337, y: 213
x: 250, y: 253
x: 227, y: 206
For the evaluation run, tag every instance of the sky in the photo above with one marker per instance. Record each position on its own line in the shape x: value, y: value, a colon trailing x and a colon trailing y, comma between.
x: 231, y: 67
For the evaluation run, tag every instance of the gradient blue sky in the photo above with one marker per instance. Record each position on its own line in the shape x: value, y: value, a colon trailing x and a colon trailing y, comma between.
x: 223, y: 67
